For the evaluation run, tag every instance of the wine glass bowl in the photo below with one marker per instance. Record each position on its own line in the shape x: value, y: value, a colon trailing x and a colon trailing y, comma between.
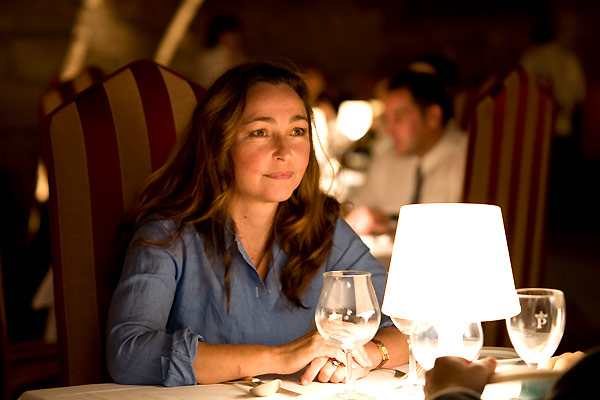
x: 537, y: 331
x: 342, y: 328
x: 347, y: 316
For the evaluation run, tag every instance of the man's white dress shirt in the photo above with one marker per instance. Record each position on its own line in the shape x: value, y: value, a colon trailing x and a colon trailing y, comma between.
x: 391, y: 178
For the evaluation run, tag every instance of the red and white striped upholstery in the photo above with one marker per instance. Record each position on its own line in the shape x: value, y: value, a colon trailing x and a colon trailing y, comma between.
x: 465, y: 101
x: 61, y: 92
x: 508, y: 165
x: 98, y: 148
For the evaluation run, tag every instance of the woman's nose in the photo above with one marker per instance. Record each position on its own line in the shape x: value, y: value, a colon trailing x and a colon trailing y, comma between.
x: 282, y: 147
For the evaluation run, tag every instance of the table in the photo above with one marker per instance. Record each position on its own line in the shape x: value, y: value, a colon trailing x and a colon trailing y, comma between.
x: 379, y: 383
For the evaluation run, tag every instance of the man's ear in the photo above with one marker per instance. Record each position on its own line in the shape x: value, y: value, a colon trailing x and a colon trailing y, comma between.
x: 433, y: 116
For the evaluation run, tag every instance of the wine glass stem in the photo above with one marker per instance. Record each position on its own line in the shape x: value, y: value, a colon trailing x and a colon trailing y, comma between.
x: 349, y: 382
x: 412, y: 363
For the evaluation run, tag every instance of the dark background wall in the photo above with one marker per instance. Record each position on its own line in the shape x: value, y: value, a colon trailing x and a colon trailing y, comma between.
x: 353, y: 42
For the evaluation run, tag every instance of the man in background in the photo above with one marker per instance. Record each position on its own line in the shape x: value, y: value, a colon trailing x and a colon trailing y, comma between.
x: 425, y: 164
x: 224, y: 48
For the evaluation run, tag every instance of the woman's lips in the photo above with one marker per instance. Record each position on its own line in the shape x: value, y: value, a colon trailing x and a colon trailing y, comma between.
x: 280, y: 175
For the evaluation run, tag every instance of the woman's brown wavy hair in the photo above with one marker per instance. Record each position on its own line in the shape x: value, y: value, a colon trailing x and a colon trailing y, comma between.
x: 195, y: 185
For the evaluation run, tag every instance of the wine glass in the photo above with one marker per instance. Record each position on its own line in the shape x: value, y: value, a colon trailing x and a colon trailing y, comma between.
x: 536, y: 332
x: 347, y: 316
x: 410, y: 385
x: 448, y: 338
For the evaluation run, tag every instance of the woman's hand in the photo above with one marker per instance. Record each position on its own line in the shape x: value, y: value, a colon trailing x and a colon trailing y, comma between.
x: 332, y: 370
x: 312, y: 350
x: 223, y: 362
x: 325, y: 369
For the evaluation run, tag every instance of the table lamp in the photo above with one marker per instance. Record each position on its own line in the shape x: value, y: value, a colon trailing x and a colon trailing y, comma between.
x: 450, y: 266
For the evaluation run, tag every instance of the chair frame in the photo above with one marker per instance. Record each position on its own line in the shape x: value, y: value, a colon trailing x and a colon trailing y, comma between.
x: 519, y: 185
x: 112, y: 156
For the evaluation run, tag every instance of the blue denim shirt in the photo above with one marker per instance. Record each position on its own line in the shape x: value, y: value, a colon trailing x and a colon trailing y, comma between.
x: 170, y: 298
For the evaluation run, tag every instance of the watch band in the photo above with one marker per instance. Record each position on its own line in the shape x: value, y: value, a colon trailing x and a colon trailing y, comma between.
x: 385, y: 354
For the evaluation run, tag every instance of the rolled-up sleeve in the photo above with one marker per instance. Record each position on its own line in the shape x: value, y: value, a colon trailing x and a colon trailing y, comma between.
x: 139, y: 348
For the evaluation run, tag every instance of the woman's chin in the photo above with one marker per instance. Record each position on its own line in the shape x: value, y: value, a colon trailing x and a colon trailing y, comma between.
x: 278, y: 197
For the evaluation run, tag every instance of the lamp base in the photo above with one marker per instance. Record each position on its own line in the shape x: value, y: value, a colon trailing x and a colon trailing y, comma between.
x: 447, y: 338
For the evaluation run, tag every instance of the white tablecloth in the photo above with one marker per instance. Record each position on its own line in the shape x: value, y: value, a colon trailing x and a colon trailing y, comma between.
x: 379, y: 383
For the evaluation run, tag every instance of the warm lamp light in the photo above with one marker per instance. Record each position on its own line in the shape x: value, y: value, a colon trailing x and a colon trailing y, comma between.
x: 320, y: 134
x: 354, y: 118
x: 450, y: 266
x: 321, y: 143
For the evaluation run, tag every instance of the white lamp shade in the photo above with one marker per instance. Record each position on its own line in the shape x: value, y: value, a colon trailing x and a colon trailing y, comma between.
x: 450, y: 261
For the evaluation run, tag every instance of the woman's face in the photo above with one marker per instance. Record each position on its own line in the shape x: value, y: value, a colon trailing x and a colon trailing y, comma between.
x: 272, y: 145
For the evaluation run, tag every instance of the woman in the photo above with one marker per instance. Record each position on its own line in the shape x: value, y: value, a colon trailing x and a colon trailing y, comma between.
x: 224, y: 271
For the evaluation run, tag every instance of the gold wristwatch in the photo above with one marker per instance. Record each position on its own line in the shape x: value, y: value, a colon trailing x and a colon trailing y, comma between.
x: 385, y: 354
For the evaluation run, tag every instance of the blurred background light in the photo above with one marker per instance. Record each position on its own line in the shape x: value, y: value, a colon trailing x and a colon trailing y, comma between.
x: 355, y: 118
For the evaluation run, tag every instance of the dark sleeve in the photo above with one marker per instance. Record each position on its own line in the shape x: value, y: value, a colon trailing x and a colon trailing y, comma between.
x: 455, y: 395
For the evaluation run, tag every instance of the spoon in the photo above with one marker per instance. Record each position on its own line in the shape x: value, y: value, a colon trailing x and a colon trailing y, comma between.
x: 264, y: 389
x: 259, y: 387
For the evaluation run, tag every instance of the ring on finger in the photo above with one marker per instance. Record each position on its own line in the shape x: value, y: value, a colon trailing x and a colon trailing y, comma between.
x: 335, y: 363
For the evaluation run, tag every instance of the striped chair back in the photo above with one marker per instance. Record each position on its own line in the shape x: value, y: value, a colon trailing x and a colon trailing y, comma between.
x: 61, y: 92
x: 465, y: 101
x: 99, y: 147
x: 508, y: 165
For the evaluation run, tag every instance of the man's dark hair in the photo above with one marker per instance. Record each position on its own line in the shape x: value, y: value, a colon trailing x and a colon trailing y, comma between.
x: 218, y: 25
x: 426, y: 89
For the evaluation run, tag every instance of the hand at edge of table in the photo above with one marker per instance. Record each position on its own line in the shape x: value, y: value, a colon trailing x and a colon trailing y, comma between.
x: 456, y: 372
x: 312, y: 350
x: 564, y: 361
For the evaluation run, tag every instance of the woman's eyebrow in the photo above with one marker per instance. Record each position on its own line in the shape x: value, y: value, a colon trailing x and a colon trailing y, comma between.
x: 298, y: 118
x: 271, y: 120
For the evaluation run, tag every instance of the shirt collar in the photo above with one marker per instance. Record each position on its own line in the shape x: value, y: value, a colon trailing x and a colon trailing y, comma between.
x: 438, y: 153
x: 234, y: 240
